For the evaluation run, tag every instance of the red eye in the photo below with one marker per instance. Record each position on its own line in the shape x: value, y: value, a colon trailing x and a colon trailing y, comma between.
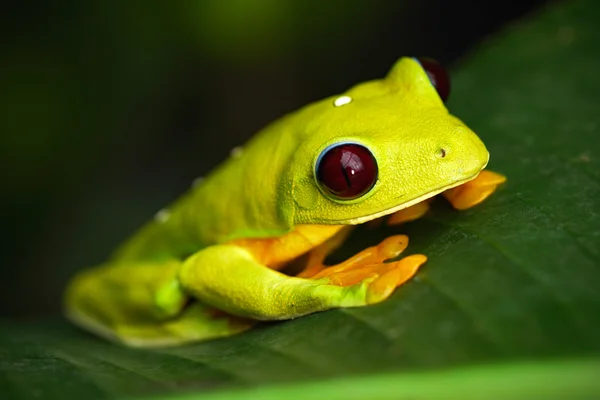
x: 347, y: 171
x: 437, y: 75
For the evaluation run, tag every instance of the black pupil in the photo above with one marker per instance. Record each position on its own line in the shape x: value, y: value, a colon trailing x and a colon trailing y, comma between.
x: 347, y: 171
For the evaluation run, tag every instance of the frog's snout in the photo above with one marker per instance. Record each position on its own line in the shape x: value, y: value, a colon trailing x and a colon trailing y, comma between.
x: 440, y: 153
x: 462, y: 155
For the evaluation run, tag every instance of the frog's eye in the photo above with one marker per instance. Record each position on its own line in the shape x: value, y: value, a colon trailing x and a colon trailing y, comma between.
x: 346, y: 171
x: 437, y: 75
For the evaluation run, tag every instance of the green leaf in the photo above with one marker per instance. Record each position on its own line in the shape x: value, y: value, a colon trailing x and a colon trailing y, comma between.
x: 507, y: 306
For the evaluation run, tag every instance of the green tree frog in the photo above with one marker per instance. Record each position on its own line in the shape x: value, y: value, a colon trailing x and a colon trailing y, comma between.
x: 210, y: 264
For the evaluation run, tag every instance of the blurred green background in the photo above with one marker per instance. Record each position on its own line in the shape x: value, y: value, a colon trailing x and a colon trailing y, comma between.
x: 110, y: 109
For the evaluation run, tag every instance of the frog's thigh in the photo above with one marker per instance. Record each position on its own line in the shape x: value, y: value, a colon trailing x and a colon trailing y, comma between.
x: 197, y: 322
x: 142, y: 305
x: 229, y: 278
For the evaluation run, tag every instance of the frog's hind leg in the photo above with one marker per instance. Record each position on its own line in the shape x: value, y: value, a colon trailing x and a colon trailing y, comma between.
x: 388, y: 249
x: 230, y: 278
x: 142, y: 305
x: 317, y: 256
x: 197, y: 322
x: 374, y: 261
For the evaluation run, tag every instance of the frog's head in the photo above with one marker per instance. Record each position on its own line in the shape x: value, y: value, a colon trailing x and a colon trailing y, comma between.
x: 382, y: 146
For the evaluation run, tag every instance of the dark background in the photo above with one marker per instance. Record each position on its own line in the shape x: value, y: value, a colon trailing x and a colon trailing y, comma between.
x: 109, y: 110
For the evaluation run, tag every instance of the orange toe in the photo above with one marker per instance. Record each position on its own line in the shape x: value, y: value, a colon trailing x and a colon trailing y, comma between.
x: 474, y: 192
x: 398, y: 273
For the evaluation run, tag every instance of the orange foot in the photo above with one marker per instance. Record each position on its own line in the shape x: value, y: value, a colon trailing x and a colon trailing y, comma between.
x: 474, y: 192
x: 370, y: 264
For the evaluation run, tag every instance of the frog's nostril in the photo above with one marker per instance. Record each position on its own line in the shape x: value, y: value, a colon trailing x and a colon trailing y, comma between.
x: 441, y: 153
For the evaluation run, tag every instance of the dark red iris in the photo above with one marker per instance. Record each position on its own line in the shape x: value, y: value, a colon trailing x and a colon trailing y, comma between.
x: 437, y: 75
x: 347, y: 171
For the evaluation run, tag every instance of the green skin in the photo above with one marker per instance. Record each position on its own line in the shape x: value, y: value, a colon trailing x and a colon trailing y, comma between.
x: 163, y: 285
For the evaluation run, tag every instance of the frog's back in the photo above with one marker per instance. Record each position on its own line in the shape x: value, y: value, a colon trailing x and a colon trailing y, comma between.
x: 238, y: 199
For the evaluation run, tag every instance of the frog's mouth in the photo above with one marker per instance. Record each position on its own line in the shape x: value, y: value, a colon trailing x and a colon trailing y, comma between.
x: 397, y: 207
x: 393, y: 209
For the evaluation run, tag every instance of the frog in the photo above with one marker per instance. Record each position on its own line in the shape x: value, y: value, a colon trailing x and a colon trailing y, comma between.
x: 213, y: 263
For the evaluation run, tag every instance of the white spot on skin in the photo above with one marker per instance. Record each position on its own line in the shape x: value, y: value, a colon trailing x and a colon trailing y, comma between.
x: 236, y: 152
x: 197, y: 181
x: 342, y: 100
x: 162, y: 216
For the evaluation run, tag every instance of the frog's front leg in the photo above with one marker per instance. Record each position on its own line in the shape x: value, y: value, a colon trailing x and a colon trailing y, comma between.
x: 461, y: 197
x: 475, y: 191
x: 230, y: 278
x: 410, y: 213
